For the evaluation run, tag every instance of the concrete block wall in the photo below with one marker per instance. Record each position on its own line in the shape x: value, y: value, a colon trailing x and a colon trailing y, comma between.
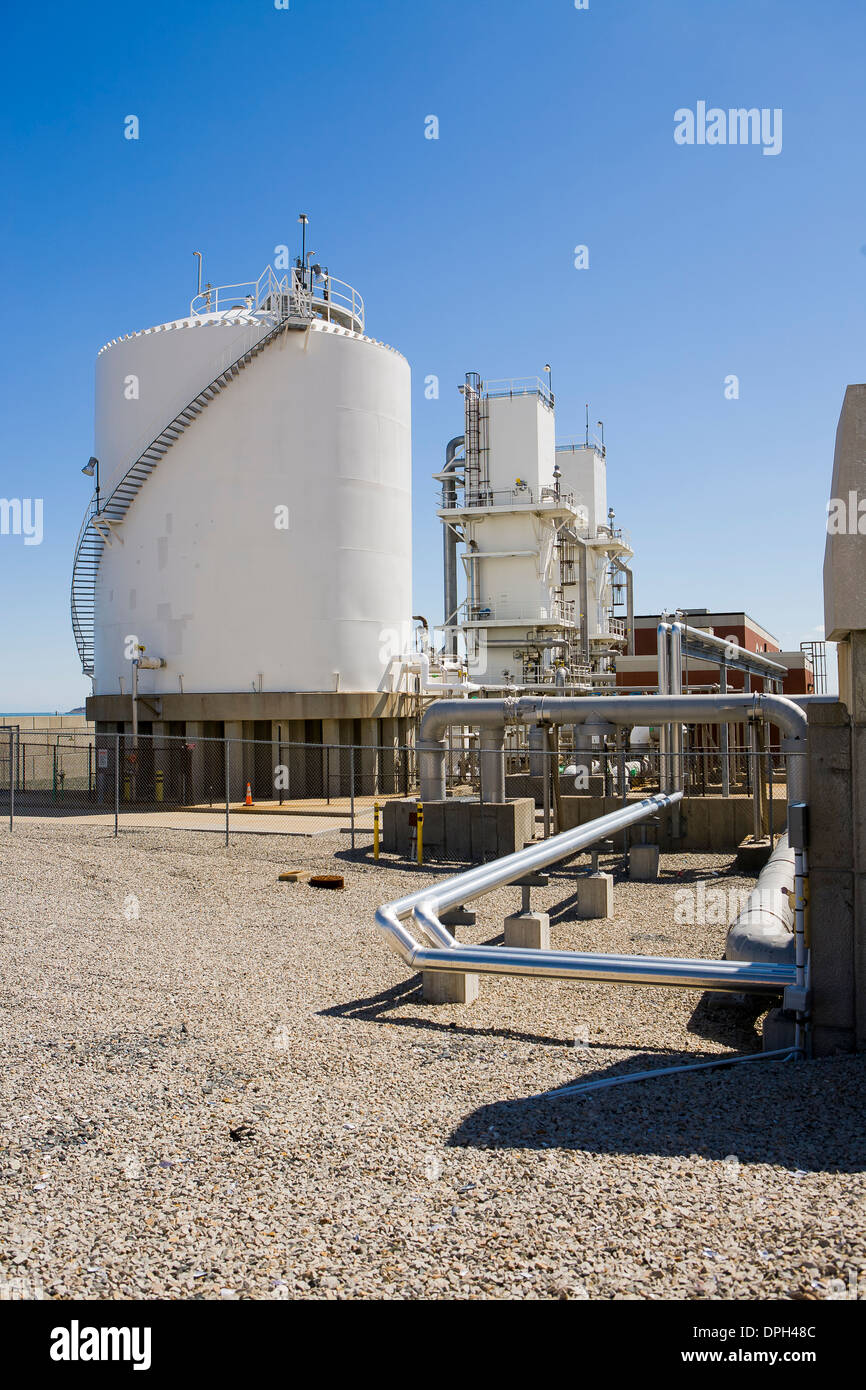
x: 460, y: 829
x: 712, y: 823
x: 837, y: 873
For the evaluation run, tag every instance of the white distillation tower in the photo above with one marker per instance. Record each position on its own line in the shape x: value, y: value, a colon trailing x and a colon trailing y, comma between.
x: 545, y: 568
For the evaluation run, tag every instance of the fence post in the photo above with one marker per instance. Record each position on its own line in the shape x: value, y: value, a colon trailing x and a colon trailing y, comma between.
x: 116, y: 781
x: 11, y: 781
x: 352, y: 791
x: 225, y: 761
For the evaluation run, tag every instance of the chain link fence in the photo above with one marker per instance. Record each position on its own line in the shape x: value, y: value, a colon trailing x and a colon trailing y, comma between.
x: 232, y: 786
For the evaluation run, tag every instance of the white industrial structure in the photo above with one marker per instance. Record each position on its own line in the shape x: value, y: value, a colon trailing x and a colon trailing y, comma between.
x: 251, y: 525
x: 269, y: 546
x: 545, y: 569
x: 243, y: 570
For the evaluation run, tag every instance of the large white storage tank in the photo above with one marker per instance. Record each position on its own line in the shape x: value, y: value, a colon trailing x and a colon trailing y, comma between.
x: 269, y: 548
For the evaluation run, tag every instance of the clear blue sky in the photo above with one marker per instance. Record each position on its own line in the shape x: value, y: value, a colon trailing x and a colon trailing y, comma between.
x: 556, y: 129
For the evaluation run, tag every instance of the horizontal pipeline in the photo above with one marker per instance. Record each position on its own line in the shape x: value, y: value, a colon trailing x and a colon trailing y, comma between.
x: 424, y: 906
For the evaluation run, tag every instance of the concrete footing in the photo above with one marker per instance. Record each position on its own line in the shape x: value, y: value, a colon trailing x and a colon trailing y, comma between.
x: 594, y: 897
x: 448, y: 987
x: 643, y: 863
x: 529, y: 929
x: 458, y: 917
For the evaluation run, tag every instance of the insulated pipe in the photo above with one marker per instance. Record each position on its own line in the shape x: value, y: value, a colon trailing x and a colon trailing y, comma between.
x: 537, y: 744
x: 427, y: 905
x: 675, y: 685
x: 723, y: 736
x: 491, y: 760
x: 764, y: 929
x: 627, y: 710
x: 770, y: 669
x: 449, y: 539
x: 664, y: 689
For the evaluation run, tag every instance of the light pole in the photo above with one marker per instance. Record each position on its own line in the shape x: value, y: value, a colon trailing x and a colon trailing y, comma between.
x: 303, y: 219
x: 600, y: 424
x: 90, y: 469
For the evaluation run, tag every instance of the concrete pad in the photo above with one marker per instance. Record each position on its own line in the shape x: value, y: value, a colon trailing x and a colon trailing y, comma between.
x: 594, y: 897
x: 529, y: 929
x: 448, y: 987
x: 643, y: 863
x: 458, y: 917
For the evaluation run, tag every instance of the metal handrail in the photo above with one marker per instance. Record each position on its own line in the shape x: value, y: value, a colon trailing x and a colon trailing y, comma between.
x: 504, y: 496
x: 518, y: 386
x: 320, y: 293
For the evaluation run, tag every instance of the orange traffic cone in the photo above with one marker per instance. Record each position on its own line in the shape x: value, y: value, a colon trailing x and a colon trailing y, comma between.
x: 249, y: 795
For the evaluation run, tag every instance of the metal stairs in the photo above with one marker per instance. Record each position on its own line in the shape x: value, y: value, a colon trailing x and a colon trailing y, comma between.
x: 98, y: 528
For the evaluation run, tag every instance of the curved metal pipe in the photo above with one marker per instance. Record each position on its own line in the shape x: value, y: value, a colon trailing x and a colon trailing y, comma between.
x: 626, y: 710
x: 764, y: 929
x: 450, y: 955
x: 449, y: 539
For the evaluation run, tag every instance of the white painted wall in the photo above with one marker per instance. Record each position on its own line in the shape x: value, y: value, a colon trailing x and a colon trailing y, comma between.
x: 584, y: 472
x: 520, y: 435
x: 319, y: 422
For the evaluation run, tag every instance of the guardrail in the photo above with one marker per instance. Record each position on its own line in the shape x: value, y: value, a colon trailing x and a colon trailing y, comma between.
x: 312, y: 295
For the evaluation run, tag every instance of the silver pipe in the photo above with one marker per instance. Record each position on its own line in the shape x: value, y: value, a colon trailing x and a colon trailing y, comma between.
x: 662, y: 632
x: 780, y: 1053
x: 764, y: 929
x: 491, y: 760
x: 723, y: 736
x: 449, y: 539
x: 475, y: 882
x: 675, y: 685
x: 757, y: 828
x: 583, y: 580
x: 677, y: 972
x: 627, y: 710
x: 537, y: 744
x: 426, y: 906
x: 732, y: 650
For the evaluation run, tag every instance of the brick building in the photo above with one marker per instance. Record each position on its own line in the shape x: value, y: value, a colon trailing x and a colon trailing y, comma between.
x: 640, y: 671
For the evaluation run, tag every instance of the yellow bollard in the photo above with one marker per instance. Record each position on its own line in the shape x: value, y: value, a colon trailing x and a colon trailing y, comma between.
x: 420, y: 835
x: 375, y: 830
x: 159, y: 784
x: 126, y: 788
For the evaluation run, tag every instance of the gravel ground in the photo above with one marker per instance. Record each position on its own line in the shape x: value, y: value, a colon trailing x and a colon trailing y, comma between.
x: 220, y: 1086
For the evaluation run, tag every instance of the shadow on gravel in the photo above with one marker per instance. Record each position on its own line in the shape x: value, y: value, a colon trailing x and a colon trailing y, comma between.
x: 763, y: 1112
x: 730, y: 1020
x: 378, y: 1008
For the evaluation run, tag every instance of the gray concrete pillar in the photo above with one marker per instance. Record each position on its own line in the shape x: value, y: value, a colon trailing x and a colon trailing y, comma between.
x: 528, y: 929
x: 234, y: 732
x: 367, y: 760
x: 448, y: 987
